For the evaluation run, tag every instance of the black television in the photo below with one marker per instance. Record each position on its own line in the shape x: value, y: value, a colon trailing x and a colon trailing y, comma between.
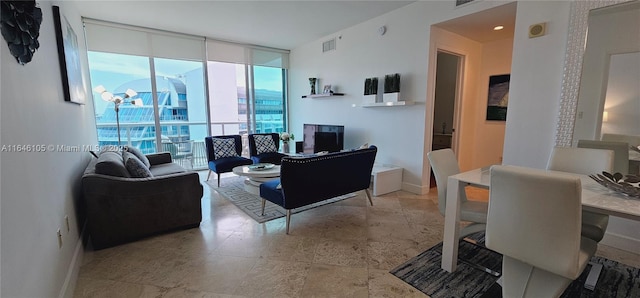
x: 320, y: 137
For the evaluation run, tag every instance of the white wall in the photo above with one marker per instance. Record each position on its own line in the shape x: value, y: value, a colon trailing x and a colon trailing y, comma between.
x: 39, y: 189
x: 399, y: 132
x: 536, y: 81
x: 489, y: 136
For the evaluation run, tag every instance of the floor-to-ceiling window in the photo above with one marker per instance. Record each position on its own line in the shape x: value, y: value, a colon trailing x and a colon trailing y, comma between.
x: 182, y: 109
x: 269, y: 86
x: 246, y: 88
x: 172, y: 117
x: 117, y: 73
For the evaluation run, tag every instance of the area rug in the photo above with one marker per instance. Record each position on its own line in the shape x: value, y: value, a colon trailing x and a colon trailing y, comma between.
x: 423, y: 272
x: 232, y: 188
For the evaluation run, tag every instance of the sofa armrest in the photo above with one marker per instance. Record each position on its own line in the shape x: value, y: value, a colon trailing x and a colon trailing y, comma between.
x: 159, y: 158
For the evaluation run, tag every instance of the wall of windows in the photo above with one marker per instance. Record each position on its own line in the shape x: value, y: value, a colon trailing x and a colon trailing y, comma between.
x: 244, y: 90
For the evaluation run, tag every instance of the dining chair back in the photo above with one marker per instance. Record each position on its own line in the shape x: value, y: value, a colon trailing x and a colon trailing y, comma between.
x: 620, y: 149
x: 534, y: 221
x: 444, y: 164
x: 584, y: 161
x: 633, y: 140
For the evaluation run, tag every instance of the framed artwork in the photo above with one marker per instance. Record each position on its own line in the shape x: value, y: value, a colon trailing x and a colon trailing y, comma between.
x: 498, y: 98
x: 69, y: 57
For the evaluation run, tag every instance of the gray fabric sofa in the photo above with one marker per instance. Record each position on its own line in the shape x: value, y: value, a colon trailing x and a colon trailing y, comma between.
x: 121, y: 209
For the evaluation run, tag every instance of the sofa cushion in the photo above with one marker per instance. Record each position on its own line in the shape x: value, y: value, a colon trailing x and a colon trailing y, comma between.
x: 111, y: 163
x: 224, y: 147
x: 166, y: 169
x: 135, y: 151
x: 269, y: 157
x: 264, y: 143
x: 226, y: 164
x: 135, y: 166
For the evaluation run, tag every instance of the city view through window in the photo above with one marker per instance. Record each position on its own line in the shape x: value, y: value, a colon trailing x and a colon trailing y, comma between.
x: 180, y: 103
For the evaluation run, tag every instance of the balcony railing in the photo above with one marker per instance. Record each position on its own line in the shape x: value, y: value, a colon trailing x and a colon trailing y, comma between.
x: 196, y: 151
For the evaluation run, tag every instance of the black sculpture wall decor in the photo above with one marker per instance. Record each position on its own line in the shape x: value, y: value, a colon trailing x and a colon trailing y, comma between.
x: 20, y: 25
x: 371, y: 86
x: 392, y: 83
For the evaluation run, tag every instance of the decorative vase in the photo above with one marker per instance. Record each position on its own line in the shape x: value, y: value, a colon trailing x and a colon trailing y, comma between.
x: 285, y: 147
x: 312, y: 82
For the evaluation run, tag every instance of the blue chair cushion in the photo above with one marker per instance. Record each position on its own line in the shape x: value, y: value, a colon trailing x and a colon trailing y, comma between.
x: 270, y: 191
x: 226, y: 164
x: 268, y: 157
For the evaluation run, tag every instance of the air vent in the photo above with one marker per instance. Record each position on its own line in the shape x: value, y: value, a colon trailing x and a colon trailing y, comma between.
x: 329, y: 45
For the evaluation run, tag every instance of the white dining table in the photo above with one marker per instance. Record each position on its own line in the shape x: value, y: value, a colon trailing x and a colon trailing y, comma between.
x: 595, y: 197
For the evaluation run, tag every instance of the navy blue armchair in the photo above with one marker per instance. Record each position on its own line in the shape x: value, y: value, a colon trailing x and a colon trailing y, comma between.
x: 224, y: 154
x: 273, y: 157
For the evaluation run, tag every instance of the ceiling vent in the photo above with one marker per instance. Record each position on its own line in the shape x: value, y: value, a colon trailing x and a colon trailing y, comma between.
x: 329, y: 45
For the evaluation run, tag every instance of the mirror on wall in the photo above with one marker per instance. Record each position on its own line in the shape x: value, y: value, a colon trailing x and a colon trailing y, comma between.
x: 613, y: 40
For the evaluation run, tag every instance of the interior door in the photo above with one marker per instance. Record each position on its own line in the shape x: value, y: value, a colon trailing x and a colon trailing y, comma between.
x: 446, y: 95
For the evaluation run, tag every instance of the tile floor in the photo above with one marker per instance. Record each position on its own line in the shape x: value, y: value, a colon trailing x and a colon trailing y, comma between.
x: 345, y: 249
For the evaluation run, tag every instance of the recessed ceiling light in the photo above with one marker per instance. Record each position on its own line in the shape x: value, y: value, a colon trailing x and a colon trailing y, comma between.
x: 496, y: 28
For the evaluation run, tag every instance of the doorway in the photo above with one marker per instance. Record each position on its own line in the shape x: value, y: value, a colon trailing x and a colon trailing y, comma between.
x: 447, y: 96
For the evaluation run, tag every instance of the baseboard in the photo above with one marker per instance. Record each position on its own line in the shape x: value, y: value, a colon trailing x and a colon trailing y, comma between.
x: 71, y: 279
x: 621, y: 242
x: 414, y: 188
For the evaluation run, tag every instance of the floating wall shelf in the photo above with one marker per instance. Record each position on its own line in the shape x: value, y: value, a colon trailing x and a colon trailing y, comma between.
x: 389, y: 104
x: 322, y: 95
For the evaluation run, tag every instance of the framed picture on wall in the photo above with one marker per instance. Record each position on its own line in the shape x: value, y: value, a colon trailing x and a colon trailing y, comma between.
x: 69, y: 57
x: 498, y: 98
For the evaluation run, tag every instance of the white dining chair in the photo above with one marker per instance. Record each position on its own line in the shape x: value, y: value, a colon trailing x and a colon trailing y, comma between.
x: 534, y: 222
x: 620, y: 149
x: 585, y: 161
x: 444, y: 164
x: 633, y: 140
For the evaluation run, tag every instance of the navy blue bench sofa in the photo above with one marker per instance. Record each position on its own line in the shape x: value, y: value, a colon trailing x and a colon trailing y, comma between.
x: 308, y: 180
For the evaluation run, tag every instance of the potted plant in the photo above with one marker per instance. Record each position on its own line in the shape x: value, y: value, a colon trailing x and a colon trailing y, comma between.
x: 391, y: 88
x: 285, y: 137
x: 370, y: 90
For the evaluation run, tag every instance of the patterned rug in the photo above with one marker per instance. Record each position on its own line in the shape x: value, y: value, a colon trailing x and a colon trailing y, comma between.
x: 232, y: 188
x: 423, y: 273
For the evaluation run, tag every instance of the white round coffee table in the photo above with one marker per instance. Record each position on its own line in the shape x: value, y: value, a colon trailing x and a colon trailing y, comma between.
x: 255, y: 176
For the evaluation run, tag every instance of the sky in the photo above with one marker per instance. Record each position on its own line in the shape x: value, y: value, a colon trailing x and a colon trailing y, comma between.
x: 113, y: 70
